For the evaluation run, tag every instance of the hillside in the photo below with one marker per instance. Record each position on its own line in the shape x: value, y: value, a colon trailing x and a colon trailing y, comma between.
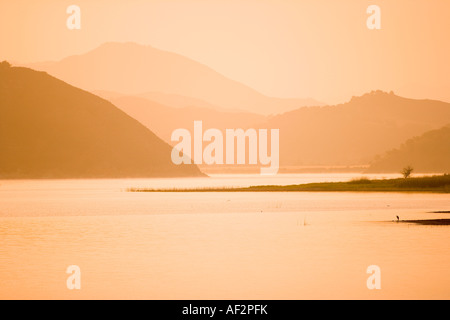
x: 134, y: 69
x: 355, y: 132
x: 170, y: 100
x: 163, y: 120
x: 427, y: 153
x: 49, y: 129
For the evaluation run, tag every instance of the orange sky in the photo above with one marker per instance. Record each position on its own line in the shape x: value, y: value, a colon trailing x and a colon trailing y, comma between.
x: 286, y: 48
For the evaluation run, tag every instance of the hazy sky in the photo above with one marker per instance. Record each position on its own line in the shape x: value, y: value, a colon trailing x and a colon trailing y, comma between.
x: 286, y: 48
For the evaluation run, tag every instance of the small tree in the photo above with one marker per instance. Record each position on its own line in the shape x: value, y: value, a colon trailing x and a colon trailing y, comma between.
x: 406, y: 172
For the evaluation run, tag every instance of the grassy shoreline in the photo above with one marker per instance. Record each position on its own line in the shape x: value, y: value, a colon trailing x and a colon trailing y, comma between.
x: 434, y: 184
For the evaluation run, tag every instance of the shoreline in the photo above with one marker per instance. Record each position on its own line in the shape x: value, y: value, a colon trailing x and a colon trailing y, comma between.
x: 433, y: 184
x: 433, y: 222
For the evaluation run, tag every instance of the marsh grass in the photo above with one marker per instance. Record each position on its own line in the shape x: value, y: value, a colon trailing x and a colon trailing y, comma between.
x: 436, y: 184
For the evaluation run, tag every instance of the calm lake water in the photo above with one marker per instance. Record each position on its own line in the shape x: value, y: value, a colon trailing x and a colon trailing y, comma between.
x: 218, y: 245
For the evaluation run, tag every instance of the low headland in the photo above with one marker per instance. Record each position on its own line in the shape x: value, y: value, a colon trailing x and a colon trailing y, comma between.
x: 433, y: 184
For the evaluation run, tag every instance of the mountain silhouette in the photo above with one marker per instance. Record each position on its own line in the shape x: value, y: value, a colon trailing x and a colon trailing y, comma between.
x: 49, y: 129
x: 429, y: 153
x: 179, y: 101
x: 135, y: 69
x: 169, y: 100
x: 355, y: 132
x: 163, y: 120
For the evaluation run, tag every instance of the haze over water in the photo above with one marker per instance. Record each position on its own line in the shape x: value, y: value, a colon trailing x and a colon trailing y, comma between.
x: 218, y: 245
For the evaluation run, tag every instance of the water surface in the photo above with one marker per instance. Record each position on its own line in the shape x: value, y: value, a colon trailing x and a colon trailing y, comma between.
x: 218, y: 245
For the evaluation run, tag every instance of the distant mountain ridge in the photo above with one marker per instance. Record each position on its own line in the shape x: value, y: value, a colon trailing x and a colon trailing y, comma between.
x: 163, y: 120
x: 354, y: 132
x: 428, y: 153
x: 135, y: 69
x: 349, y: 134
x: 169, y: 100
x: 49, y: 129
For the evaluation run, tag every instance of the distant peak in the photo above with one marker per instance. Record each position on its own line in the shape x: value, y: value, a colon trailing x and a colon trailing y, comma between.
x: 379, y: 93
x: 374, y: 94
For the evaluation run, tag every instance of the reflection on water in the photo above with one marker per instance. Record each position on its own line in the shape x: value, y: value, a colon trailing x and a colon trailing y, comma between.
x: 219, y: 245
